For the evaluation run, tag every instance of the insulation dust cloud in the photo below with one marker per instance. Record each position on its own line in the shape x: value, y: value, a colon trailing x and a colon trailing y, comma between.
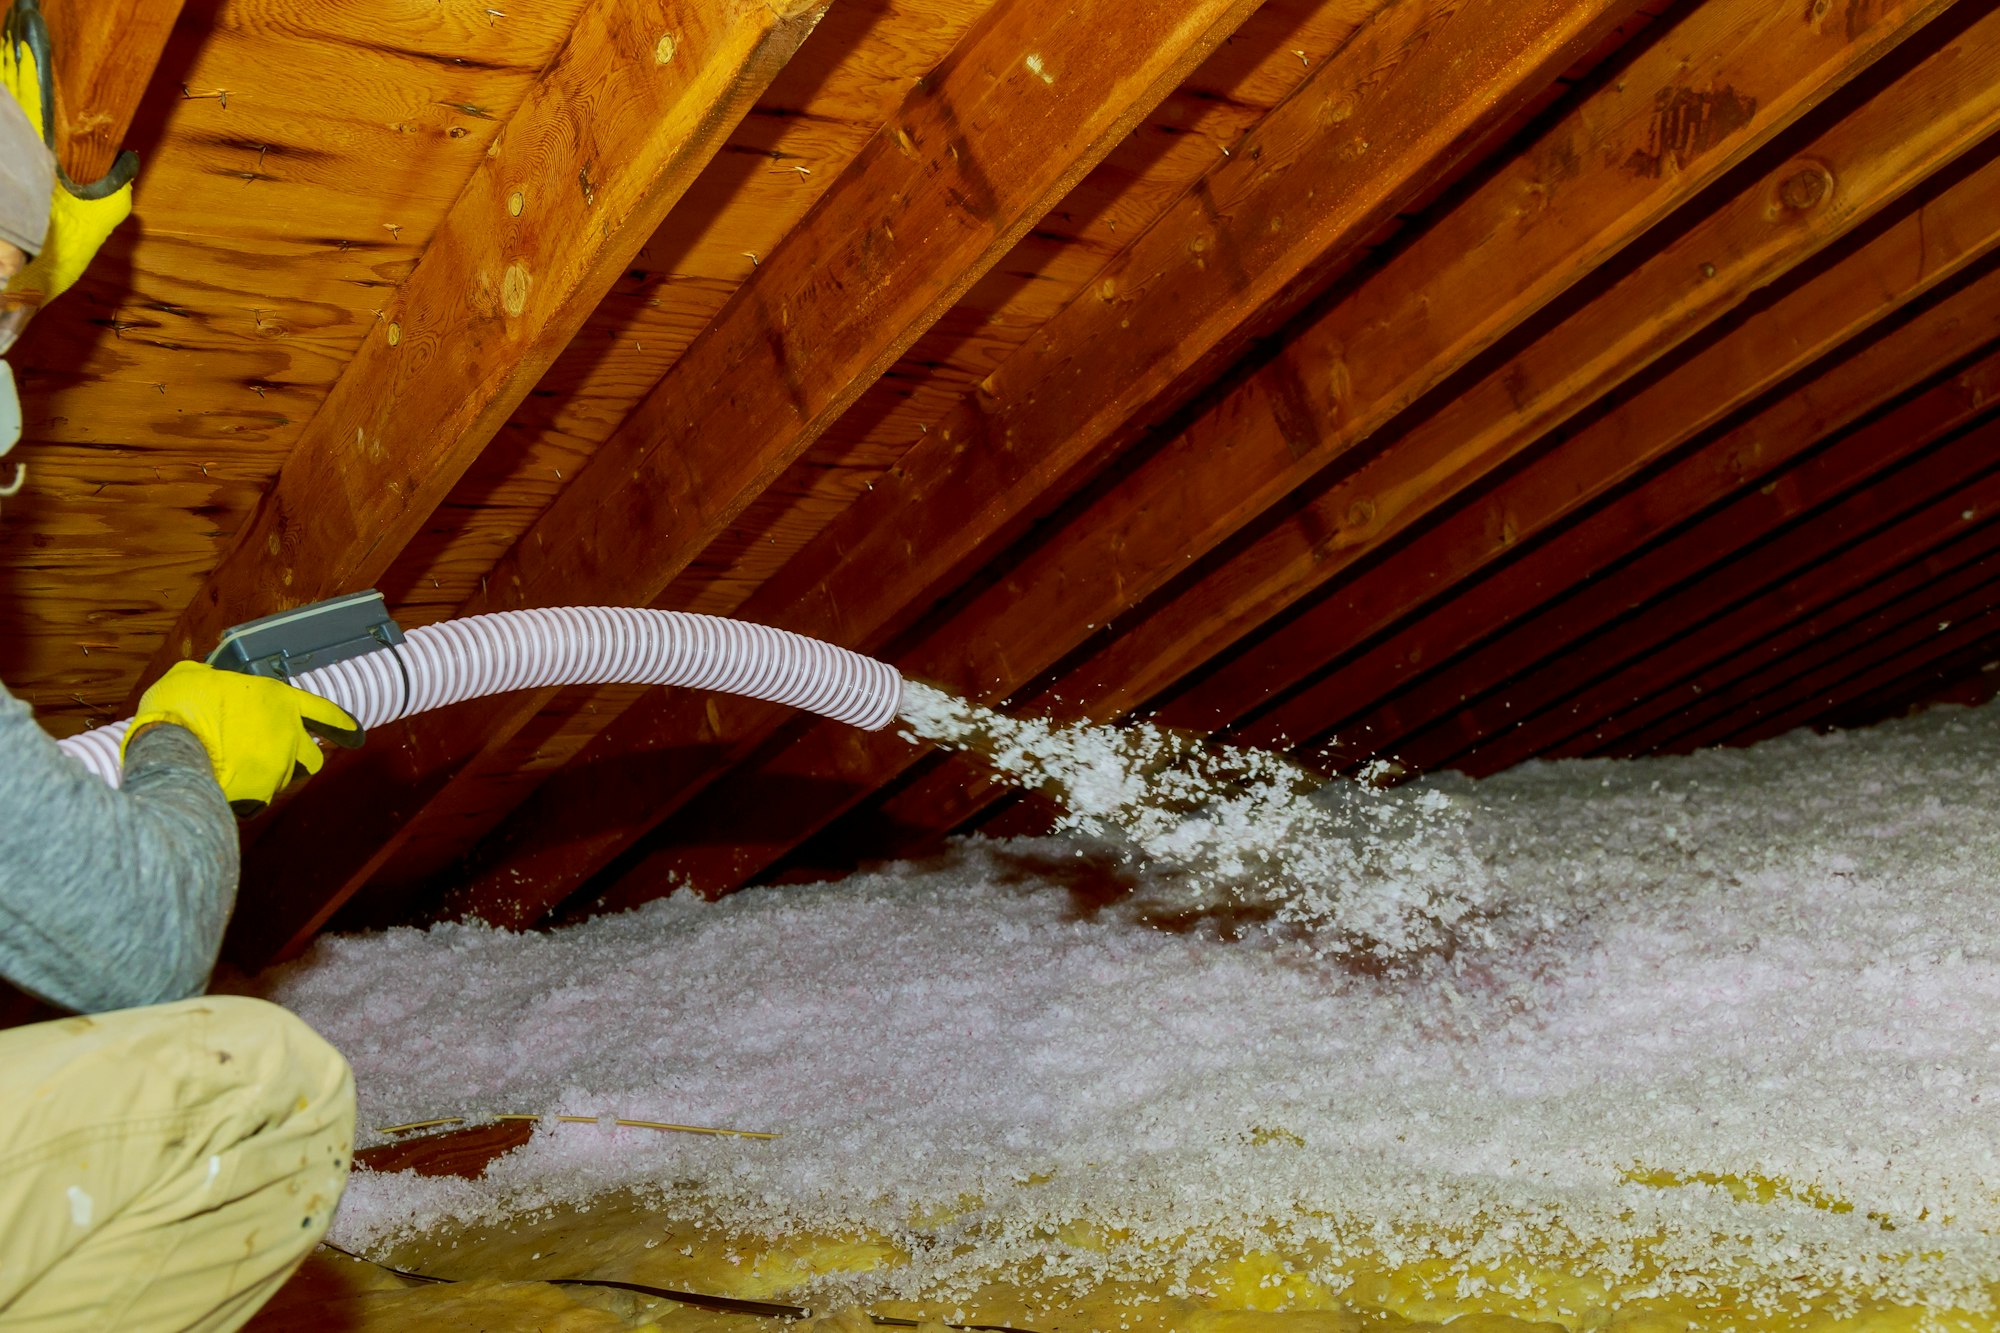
x: 1355, y: 867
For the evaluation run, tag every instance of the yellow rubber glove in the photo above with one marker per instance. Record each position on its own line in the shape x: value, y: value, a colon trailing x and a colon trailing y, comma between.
x: 258, y: 732
x: 77, y: 227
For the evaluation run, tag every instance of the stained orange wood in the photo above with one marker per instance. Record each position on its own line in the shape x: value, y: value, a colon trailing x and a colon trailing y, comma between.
x: 1966, y: 632
x: 1143, y: 178
x: 821, y: 111
x: 1574, y: 614
x: 163, y: 393
x: 816, y: 116
x: 1717, y: 703
x: 1261, y: 64
x: 1926, y: 246
x: 608, y: 140
x: 1875, y: 529
x: 1021, y: 109
x: 1947, y: 104
x: 1211, y: 479
x: 464, y: 1152
x: 1952, y: 521
x: 1508, y: 622
x: 1043, y: 548
x: 1252, y: 229
x: 1960, y: 669
x: 105, y: 52
x: 1019, y: 112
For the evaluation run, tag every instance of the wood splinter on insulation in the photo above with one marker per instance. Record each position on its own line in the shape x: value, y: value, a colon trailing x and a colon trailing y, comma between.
x: 662, y: 1125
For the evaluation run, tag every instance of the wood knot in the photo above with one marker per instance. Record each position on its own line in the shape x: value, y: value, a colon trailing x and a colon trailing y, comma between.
x: 1806, y: 188
x: 514, y: 288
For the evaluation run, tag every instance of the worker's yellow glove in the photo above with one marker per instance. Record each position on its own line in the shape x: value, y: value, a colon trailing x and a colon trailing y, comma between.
x: 77, y: 226
x: 258, y: 732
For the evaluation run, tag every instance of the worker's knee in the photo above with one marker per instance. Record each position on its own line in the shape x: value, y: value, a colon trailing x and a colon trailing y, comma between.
x: 272, y: 1050
x: 178, y: 1159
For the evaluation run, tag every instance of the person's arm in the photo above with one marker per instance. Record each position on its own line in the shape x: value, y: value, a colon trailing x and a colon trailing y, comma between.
x: 111, y: 899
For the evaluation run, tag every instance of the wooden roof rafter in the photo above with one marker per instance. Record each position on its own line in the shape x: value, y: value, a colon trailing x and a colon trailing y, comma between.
x: 1869, y: 532
x: 1162, y: 310
x: 1967, y: 655
x: 609, y: 138
x: 1909, y: 609
x: 1195, y: 493
x: 1548, y: 619
x: 1286, y: 691
x: 1197, y: 126
x: 1753, y: 679
x: 105, y: 54
x: 1455, y: 381
x: 1019, y: 111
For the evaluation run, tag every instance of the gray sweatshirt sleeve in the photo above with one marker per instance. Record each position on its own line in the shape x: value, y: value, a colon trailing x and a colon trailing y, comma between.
x: 111, y: 899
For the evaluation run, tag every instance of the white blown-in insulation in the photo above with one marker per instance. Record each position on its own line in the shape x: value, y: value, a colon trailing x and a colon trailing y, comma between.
x: 1778, y: 964
x: 600, y: 645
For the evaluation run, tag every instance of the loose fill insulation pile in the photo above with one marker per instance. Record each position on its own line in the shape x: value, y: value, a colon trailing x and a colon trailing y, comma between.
x: 1702, y: 1042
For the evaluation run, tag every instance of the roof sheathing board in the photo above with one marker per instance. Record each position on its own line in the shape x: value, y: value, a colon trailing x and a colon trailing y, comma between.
x: 166, y: 390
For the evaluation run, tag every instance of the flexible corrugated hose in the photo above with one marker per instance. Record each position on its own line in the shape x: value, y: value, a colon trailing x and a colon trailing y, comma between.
x: 577, y: 645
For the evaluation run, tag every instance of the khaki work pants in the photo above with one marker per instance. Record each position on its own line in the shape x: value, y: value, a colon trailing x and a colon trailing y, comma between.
x: 164, y: 1168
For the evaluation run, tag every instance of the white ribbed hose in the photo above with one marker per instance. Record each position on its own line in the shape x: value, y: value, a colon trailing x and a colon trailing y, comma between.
x: 576, y: 645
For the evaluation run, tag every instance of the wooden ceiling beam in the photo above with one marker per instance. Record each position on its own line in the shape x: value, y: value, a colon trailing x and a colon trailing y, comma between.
x: 1023, y: 107
x: 1311, y: 183
x: 1872, y: 530
x: 1290, y: 418
x: 953, y: 793
x: 1513, y: 620
x: 1876, y: 673
x: 1833, y: 601
x: 1968, y: 662
x: 1961, y: 576
x: 1567, y: 613
x: 105, y: 54
x: 1930, y: 115
x: 1388, y: 625
x: 608, y: 139
x: 1867, y: 150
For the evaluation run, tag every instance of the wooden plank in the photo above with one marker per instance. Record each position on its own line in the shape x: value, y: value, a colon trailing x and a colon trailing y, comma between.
x: 634, y: 106
x: 1508, y: 622
x: 1162, y: 312
x: 1857, y: 166
x: 105, y: 53
x: 1750, y: 358
x: 1257, y: 69
x: 1240, y: 82
x: 930, y: 210
x: 1859, y: 685
x: 817, y: 115
x: 1204, y: 122
x: 210, y: 329
x: 814, y: 119
x: 1023, y: 107
x: 1046, y: 606
x: 1962, y: 672
x: 1761, y: 680
x: 1922, y: 251
x: 465, y: 1152
x: 1870, y: 531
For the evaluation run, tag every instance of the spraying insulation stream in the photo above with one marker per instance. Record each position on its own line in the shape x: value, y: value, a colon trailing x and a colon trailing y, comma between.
x: 477, y: 656
x: 1380, y: 872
